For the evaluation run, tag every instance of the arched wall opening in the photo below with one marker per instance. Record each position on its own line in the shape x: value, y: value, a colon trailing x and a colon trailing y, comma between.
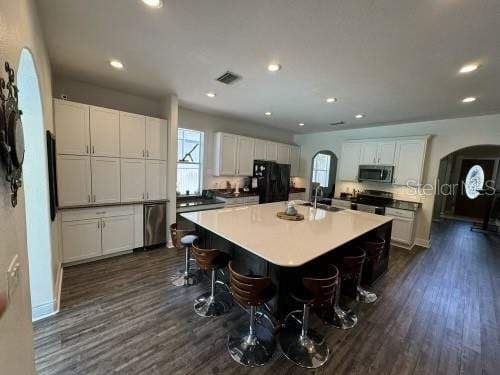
x: 36, y: 189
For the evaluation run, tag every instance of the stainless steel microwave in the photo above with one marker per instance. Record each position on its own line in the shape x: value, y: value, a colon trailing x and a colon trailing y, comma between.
x: 377, y: 173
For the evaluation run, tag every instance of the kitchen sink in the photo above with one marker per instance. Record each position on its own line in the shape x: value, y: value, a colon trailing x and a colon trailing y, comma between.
x: 323, y: 206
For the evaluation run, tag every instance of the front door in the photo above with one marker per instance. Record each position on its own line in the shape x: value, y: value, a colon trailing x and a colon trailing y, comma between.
x: 467, y: 204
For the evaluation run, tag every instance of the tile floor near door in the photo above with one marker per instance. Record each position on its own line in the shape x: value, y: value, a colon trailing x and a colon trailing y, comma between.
x: 439, y: 313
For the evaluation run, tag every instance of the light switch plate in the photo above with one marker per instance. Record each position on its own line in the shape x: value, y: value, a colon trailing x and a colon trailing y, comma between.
x: 13, y: 276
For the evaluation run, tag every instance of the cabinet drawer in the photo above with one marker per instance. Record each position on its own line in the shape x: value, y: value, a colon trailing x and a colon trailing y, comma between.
x: 399, y: 213
x: 341, y: 203
x: 96, y: 212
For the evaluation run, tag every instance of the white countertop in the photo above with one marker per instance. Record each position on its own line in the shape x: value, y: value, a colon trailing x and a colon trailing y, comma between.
x: 283, y: 242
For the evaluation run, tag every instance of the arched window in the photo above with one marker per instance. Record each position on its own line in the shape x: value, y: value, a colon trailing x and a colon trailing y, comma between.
x: 321, y: 169
x: 474, y: 181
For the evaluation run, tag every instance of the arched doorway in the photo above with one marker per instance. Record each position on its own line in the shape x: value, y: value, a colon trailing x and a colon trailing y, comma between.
x: 461, y: 174
x: 323, y: 173
x: 35, y: 189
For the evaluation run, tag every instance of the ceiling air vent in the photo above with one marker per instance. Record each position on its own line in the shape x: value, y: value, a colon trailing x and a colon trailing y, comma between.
x: 337, y: 123
x: 228, y: 78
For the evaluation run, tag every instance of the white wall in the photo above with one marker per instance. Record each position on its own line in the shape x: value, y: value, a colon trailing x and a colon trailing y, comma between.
x: 20, y: 28
x: 447, y: 136
x: 210, y: 124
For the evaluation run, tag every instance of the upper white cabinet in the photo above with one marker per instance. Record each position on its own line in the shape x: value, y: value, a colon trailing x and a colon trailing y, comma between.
x: 72, y: 127
x: 133, y: 180
x: 349, y: 161
x: 271, y: 151
x: 105, y: 180
x: 225, y: 154
x: 377, y: 153
x: 368, y: 153
x: 283, y: 154
x: 245, y: 156
x: 260, y: 149
x: 156, y: 141
x: 156, y: 180
x: 409, y: 162
x: 294, y: 161
x: 105, y: 132
x: 132, y: 135
x: 74, y: 180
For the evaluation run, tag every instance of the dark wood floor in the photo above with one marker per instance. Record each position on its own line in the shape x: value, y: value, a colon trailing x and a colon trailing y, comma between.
x: 439, y: 313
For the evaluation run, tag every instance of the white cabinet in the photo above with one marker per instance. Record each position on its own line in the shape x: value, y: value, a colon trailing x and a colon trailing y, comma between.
x: 132, y: 135
x: 72, y: 127
x: 133, y: 180
x: 74, y: 180
x: 403, y: 225
x: 283, y: 154
x: 225, y: 154
x: 105, y: 180
x: 245, y: 156
x: 368, y: 153
x: 349, y: 161
x: 156, y: 139
x: 117, y: 234
x: 377, y: 153
x: 156, y: 180
x: 294, y: 161
x: 105, y: 132
x: 260, y: 150
x: 409, y: 163
x: 81, y: 239
x: 271, y: 151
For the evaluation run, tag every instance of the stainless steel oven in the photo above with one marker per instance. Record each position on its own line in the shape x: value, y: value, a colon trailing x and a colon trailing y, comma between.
x: 377, y: 173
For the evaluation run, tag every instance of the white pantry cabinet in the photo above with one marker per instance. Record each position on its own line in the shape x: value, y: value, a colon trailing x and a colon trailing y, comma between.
x: 74, y: 176
x: 260, y: 149
x: 225, y: 149
x: 105, y: 180
x: 105, y: 132
x: 156, y: 139
x: 271, y: 151
x: 245, y: 156
x: 156, y: 180
x: 294, y: 161
x: 349, y: 161
x: 133, y: 180
x: 132, y: 135
x: 283, y: 154
x: 72, y: 127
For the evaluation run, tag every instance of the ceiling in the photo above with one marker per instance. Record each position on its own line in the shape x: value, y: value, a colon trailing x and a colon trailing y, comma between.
x: 393, y: 60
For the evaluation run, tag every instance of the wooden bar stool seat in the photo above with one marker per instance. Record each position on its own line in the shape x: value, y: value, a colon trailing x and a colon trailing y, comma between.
x: 183, y: 239
x: 211, y: 304
x: 300, y: 344
x: 248, y: 346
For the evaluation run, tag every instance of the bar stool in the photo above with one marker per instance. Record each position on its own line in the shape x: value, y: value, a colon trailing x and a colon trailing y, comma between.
x: 183, y: 239
x: 247, y: 347
x: 211, y: 304
x: 374, y: 248
x: 302, y: 345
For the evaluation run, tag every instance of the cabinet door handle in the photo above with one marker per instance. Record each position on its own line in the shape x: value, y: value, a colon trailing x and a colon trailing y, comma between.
x: 147, y: 195
x: 87, y: 149
x: 103, y: 223
x: 147, y: 153
x: 93, y: 149
x: 94, y: 197
x: 89, y: 198
x: 98, y: 223
x: 143, y: 153
x: 142, y: 195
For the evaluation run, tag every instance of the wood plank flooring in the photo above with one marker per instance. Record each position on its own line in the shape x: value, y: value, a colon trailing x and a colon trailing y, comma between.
x: 438, y: 313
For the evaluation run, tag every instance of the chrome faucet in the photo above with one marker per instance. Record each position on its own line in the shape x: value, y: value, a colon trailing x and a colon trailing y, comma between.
x: 316, y: 195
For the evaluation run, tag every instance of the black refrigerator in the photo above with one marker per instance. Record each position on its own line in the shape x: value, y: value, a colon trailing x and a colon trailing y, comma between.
x: 273, y: 180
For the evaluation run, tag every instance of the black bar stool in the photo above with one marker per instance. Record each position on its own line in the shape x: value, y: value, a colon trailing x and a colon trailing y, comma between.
x: 247, y: 346
x: 211, y: 304
x: 374, y: 248
x: 183, y: 239
x: 300, y: 344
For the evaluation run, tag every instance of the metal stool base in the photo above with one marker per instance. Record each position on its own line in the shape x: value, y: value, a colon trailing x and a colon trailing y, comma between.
x: 250, y: 351
x: 209, y: 307
x: 309, y: 352
x: 365, y: 296
x: 341, y: 319
x: 180, y: 279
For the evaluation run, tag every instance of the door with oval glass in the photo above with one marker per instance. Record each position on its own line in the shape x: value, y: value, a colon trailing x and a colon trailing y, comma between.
x: 474, y: 174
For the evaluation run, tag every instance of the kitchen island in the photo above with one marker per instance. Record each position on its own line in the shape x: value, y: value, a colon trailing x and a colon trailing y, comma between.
x: 261, y: 243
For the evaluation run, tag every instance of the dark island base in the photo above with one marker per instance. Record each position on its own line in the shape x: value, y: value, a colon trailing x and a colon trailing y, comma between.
x: 248, y: 263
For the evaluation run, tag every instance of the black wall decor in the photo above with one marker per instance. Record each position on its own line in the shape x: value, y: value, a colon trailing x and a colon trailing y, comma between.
x: 11, y: 133
x: 51, y: 159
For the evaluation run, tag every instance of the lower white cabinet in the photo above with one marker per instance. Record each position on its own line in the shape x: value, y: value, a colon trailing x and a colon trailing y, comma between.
x: 133, y: 180
x: 156, y: 180
x: 105, y: 180
x: 403, y: 225
x: 74, y: 180
x: 89, y: 233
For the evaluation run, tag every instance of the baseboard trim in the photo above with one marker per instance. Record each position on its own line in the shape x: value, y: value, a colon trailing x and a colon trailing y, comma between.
x: 50, y: 308
x: 423, y: 243
x: 59, y: 288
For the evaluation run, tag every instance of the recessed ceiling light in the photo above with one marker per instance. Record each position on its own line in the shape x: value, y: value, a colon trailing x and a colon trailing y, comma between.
x: 468, y: 68
x: 331, y: 100
x: 301, y: 124
x: 469, y: 99
x: 117, y: 64
x: 359, y: 116
x: 268, y: 113
x: 153, y: 3
x: 210, y: 94
x: 274, y: 67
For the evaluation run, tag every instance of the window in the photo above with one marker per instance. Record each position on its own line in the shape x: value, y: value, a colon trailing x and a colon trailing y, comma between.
x: 474, y: 181
x: 321, y: 169
x: 189, y: 164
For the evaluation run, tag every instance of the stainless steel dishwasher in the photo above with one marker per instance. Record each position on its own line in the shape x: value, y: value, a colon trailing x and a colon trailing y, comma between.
x: 155, y: 224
